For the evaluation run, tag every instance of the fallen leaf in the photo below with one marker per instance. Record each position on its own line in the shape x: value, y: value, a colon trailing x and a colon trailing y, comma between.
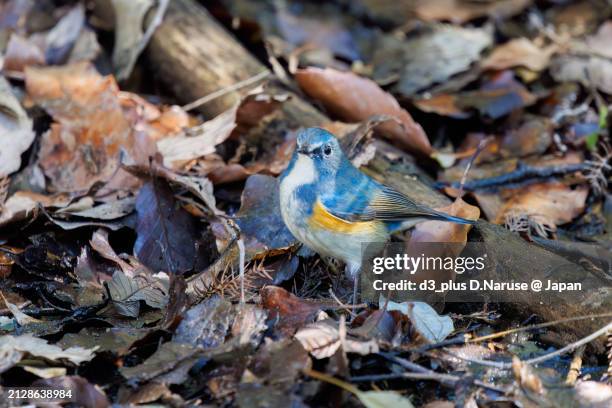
x: 600, y: 42
x: 322, y: 339
x: 83, y: 393
x: 60, y: 40
x: 20, y: 52
x: 13, y: 348
x: 430, y: 58
x: 126, y: 293
x: 461, y: 11
x: 589, y: 71
x: 291, y: 311
x: 550, y: 204
x: 82, y: 147
x: 526, y: 376
x: 181, y: 149
x: 16, y: 134
x: 519, y: 52
x: 259, y: 218
x: 354, y: 98
x: 99, y: 242
x: 594, y: 394
x: 383, y: 399
x: 21, y: 318
x: 116, y: 340
x: 495, y: 99
x: 168, y: 357
x: 323, y: 31
x: 167, y: 236
x: 22, y: 204
x: 206, y: 324
x: 427, y: 323
x: 46, y: 372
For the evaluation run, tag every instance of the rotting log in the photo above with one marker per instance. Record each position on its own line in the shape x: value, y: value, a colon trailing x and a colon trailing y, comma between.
x: 195, y: 56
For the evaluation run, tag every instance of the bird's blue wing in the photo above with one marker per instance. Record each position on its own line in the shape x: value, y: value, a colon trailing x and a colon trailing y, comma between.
x: 359, y: 198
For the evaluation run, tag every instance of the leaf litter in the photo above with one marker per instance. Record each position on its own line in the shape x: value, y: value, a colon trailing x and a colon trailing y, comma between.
x: 124, y: 217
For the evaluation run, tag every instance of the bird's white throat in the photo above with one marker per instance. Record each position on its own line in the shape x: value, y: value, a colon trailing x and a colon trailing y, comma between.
x: 303, y: 172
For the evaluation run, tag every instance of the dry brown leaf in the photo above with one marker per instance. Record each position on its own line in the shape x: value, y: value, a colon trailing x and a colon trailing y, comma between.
x: 291, y: 311
x: 461, y: 11
x: 322, y: 339
x: 519, y: 52
x: 22, y: 203
x: 82, y: 147
x: 181, y: 149
x: 551, y: 203
x: 353, y: 98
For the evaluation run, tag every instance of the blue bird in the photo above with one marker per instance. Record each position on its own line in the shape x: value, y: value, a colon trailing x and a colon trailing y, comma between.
x: 332, y: 207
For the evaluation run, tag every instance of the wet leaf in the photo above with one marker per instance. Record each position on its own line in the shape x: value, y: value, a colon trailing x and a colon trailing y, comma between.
x: 16, y: 134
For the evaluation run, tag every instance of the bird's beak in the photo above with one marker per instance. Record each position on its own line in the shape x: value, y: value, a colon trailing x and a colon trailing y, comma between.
x: 302, y: 150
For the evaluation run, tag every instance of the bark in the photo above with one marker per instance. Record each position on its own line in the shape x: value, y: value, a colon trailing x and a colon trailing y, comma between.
x: 194, y: 56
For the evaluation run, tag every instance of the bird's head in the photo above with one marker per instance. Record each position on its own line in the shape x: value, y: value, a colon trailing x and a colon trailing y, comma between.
x: 322, y: 148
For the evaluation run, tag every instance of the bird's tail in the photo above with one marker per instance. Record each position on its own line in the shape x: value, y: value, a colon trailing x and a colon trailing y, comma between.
x: 440, y: 216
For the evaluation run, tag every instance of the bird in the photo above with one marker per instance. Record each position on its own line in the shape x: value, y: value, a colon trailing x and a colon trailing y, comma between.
x: 332, y: 207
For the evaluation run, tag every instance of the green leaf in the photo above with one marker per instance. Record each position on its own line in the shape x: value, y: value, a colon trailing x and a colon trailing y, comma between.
x: 383, y: 399
x: 592, y: 139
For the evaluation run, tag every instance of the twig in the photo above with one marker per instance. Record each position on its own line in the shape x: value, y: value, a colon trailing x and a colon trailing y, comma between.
x: 344, y: 305
x: 537, y: 326
x: 483, y: 143
x: 224, y: 91
x: 241, y: 267
x: 463, y: 340
x: 570, y: 347
x: 422, y: 373
x: 522, y: 173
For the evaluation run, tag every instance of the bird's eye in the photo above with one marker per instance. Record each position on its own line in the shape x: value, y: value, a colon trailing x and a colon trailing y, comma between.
x: 327, y: 150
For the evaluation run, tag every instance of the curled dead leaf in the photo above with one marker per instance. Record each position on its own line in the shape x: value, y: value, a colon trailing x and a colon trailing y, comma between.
x: 354, y: 98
